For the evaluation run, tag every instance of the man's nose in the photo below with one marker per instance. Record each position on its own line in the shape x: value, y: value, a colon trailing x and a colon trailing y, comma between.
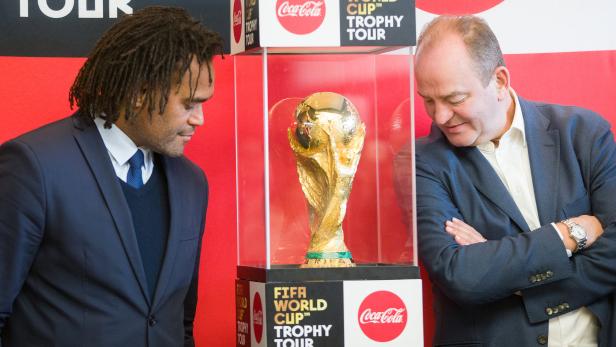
x: 196, y: 116
x: 442, y: 113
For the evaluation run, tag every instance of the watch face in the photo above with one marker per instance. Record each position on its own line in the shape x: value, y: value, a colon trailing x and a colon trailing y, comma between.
x: 578, y: 232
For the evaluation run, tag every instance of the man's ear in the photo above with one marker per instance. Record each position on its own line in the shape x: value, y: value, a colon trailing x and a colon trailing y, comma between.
x: 502, y: 82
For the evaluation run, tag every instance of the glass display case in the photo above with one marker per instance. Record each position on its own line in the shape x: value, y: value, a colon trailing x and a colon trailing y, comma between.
x: 273, y: 213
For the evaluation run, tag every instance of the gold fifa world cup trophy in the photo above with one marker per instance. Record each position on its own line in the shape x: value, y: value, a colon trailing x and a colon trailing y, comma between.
x: 327, y: 142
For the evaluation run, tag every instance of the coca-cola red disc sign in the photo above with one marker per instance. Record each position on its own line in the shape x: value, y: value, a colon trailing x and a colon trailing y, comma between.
x: 300, y: 16
x: 456, y: 7
x: 382, y: 316
x: 237, y: 20
x: 257, y: 317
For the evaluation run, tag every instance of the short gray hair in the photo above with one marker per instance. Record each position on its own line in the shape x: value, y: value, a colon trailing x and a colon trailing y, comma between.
x: 479, y: 39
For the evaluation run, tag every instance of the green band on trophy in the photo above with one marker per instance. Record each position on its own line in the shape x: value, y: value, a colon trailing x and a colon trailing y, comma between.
x: 328, y: 255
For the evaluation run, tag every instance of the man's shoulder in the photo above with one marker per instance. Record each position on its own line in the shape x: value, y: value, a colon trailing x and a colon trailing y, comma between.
x: 188, y: 169
x: 190, y: 178
x: 47, y: 140
x: 434, y: 145
x: 48, y: 134
x: 567, y: 117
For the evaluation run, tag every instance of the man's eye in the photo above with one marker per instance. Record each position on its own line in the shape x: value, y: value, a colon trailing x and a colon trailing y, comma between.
x: 457, y: 100
x: 189, y: 107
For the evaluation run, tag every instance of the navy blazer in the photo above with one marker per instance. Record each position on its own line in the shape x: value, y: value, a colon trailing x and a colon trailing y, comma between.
x: 70, y: 268
x: 573, y: 162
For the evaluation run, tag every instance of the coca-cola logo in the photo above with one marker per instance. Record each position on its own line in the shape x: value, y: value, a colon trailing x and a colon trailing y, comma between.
x: 257, y: 317
x: 456, y: 7
x: 237, y: 20
x: 300, y: 16
x: 382, y: 316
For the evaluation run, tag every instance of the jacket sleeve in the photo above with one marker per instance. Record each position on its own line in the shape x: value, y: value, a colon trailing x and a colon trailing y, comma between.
x: 593, y: 269
x: 484, y: 272
x: 190, y: 302
x: 22, y: 220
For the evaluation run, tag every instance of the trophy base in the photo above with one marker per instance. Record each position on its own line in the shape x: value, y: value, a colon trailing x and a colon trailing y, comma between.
x: 324, y: 263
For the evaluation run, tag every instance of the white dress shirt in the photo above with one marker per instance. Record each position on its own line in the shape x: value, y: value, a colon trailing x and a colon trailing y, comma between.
x: 121, y: 148
x: 509, y: 159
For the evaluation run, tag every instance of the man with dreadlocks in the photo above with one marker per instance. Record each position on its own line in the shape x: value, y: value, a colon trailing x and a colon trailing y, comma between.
x: 101, y: 217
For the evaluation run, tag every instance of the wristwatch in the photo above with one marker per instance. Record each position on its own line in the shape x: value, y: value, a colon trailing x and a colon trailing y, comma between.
x: 577, y: 233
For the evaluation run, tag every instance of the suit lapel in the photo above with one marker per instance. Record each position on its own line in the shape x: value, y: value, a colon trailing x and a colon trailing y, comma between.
x: 489, y: 184
x: 93, y: 149
x: 174, y: 188
x: 543, y: 153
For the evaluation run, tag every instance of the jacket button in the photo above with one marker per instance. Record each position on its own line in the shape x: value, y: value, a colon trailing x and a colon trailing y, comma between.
x: 549, y: 273
x: 533, y: 279
x: 566, y: 305
x: 561, y: 307
x: 549, y: 311
x: 152, y: 321
x: 542, y: 339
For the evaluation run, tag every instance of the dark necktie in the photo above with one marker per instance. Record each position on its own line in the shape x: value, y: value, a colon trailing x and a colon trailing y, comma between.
x: 134, y: 178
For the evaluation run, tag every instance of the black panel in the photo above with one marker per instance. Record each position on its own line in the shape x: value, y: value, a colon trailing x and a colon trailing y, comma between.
x: 305, y: 314
x: 70, y: 36
x: 377, y: 23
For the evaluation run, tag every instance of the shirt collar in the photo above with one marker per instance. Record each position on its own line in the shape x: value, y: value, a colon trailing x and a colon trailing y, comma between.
x: 515, y: 132
x: 518, y: 118
x: 120, y: 146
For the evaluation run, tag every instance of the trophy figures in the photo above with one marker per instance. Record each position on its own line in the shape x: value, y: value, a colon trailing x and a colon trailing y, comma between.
x: 327, y: 142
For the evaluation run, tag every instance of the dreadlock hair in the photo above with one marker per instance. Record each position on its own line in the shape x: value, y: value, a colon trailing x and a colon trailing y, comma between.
x: 141, y: 58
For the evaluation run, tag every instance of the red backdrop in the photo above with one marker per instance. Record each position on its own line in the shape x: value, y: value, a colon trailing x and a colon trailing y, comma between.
x: 34, y: 91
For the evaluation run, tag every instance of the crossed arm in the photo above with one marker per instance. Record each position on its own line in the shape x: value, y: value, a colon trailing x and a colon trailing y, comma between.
x: 472, y: 270
x: 465, y: 234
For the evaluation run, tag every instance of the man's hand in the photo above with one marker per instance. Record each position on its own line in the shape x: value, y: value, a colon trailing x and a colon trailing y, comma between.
x: 591, y: 224
x: 463, y: 233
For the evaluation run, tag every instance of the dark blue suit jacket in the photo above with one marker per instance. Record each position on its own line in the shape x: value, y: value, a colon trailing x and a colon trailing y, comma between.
x: 70, y: 268
x: 573, y: 162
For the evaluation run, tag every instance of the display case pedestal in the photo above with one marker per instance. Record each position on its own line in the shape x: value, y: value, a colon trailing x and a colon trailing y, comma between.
x: 372, y: 305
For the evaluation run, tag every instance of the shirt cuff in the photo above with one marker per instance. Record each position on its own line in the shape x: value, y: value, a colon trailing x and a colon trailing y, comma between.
x: 569, y: 254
